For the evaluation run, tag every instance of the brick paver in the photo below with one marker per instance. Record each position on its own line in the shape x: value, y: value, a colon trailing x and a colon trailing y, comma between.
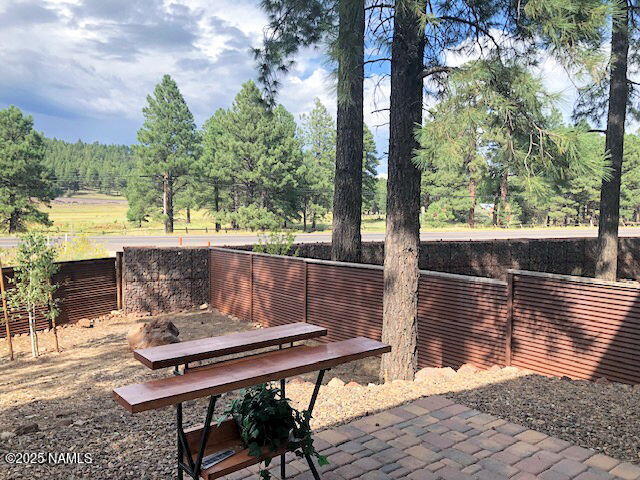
x: 435, y: 439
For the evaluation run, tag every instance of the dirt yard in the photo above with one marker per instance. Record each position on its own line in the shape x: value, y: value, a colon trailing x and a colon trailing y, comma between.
x: 66, y: 397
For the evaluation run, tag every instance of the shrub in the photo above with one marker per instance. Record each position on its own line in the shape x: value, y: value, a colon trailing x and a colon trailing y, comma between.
x: 255, y: 218
x: 276, y: 243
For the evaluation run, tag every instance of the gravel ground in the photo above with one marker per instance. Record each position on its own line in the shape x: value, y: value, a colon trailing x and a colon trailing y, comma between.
x: 604, y: 417
x: 68, y: 395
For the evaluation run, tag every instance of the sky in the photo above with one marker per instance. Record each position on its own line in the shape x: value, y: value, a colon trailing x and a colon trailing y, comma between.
x: 83, y: 68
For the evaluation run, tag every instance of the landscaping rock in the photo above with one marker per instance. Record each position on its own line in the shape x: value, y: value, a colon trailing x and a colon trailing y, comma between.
x: 352, y: 384
x: 468, y: 368
x: 431, y: 373
x: 6, y: 435
x: 602, y: 381
x: 335, y: 382
x: 85, y: 323
x: 26, y: 429
x: 204, y: 306
x: 152, y: 334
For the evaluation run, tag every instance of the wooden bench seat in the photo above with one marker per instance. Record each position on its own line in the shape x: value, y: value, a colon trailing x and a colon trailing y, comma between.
x: 205, y: 348
x: 240, y: 373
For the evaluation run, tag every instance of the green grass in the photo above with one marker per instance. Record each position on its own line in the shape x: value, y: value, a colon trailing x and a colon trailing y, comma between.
x: 97, y: 214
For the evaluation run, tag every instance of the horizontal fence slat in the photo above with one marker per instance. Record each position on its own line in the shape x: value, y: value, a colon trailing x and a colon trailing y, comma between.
x: 576, y: 327
x: 86, y: 289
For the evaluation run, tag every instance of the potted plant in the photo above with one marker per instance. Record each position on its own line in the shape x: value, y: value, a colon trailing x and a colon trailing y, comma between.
x: 267, y: 420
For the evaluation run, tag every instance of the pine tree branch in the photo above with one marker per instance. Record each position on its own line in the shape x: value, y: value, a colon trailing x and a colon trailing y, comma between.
x: 377, y: 60
x: 427, y: 72
x: 597, y: 130
x: 475, y: 25
x: 379, y: 5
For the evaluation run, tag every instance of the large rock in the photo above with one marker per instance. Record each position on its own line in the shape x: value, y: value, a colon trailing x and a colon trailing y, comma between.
x: 153, y: 334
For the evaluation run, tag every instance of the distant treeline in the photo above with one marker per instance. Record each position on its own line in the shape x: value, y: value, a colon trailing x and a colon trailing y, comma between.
x: 88, y: 165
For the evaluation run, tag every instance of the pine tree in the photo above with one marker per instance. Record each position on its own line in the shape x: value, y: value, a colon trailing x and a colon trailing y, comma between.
x: 346, y: 237
x: 402, y: 239
x: 499, y: 26
x: 370, y: 162
x: 607, y: 260
x: 167, y: 149
x: 216, y: 169
x: 292, y: 25
x: 499, y: 115
x: 253, y: 153
x: 25, y: 182
x: 318, y: 137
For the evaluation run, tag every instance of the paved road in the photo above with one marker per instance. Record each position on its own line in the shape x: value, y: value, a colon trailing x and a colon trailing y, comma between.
x: 116, y: 242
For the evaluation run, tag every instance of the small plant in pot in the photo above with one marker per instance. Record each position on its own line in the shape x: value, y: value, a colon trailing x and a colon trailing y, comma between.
x: 266, y: 420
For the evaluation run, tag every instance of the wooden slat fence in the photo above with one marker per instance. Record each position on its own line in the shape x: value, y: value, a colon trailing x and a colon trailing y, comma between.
x: 461, y: 319
x: 550, y: 324
x: 88, y: 289
x: 576, y: 326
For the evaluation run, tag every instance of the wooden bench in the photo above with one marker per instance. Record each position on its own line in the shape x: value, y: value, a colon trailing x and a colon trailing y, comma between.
x: 228, y: 375
x: 240, y: 373
x: 182, y: 353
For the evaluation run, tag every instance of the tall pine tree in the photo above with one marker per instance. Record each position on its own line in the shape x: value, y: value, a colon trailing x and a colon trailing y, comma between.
x: 318, y: 135
x: 167, y: 149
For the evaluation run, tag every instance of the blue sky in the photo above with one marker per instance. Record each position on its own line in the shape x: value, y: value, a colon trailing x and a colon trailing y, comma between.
x: 83, y: 68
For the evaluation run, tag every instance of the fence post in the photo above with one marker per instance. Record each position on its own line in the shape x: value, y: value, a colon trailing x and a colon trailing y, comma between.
x: 119, y: 280
x: 306, y: 302
x: 6, y: 312
x: 509, y: 320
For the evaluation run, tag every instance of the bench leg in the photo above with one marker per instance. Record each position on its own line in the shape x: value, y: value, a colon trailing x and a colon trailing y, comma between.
x: 193, y: 468
x: 312, y: 466
x: 283, y: 468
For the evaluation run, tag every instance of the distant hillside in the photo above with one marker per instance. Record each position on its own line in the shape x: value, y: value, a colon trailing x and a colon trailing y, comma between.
x: 89, y: 165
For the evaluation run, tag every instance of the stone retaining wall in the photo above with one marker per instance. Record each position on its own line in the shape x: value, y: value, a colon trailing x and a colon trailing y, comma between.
x: 158, y: 280
x: 569, y: 256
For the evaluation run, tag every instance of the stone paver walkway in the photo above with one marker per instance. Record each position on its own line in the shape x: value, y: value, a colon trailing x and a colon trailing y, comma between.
x: 434, y: 438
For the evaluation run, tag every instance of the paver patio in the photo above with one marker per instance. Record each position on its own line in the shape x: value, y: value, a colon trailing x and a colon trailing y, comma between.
x: 434, y: 438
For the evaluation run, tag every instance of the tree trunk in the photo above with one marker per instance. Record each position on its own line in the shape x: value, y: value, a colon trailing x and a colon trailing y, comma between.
x: 216, y: 205
x: 504, y: 191
x: 472, y: 208
x: 188, y: 220
x: 304, y: 218
x: 32, y: 332
x: 167, y: 202
x: 607, y: 253
x: 346, y: 240
x: 402, y: 241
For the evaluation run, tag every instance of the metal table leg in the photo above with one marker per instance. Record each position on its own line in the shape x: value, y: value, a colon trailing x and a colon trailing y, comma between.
x: 192, y: 468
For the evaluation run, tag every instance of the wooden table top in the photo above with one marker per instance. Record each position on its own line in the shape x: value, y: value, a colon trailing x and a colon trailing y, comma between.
x: 234, y: 374
x: 204, y: 348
